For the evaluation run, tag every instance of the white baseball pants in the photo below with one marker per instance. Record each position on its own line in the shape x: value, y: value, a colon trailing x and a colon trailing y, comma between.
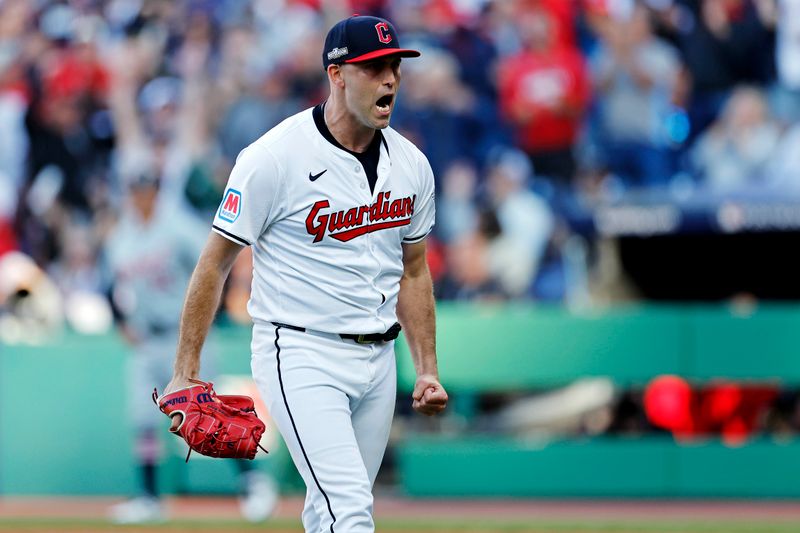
x: 333, y: 402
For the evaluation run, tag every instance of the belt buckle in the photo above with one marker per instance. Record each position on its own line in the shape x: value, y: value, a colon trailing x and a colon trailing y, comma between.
x: 361, y: 339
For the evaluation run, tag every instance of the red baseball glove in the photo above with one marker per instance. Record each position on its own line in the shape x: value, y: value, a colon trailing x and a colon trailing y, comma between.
x: 214, y: 425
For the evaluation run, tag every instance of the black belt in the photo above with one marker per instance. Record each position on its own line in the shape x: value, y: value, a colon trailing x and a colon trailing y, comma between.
x: 388, y: 335
x: 363, y: 338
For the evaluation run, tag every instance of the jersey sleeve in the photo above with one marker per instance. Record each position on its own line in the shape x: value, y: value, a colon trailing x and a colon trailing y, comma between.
x: 250, y: 201
x: 424, y: 209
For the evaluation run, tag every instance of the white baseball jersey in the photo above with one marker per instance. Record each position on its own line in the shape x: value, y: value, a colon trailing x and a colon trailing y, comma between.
x: 328, y: 252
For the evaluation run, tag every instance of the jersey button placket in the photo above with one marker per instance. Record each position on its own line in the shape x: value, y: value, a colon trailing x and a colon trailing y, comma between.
x: 366, y: 241
x: 360, y: 176
x: 371, y: 243
x: 383, y: 177
x: 371, y: 248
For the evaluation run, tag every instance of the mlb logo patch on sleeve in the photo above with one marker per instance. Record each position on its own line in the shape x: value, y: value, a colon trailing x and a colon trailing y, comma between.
x: 231, y: 206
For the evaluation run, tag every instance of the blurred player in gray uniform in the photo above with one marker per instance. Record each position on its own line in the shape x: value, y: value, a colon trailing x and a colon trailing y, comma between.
x: 150, y: 255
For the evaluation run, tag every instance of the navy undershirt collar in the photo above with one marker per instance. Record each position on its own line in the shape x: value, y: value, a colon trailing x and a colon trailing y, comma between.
x: 368, y: 158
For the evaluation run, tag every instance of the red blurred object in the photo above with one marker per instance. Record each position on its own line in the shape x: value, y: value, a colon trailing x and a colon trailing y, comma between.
x: 721, y: 402
x: 8, y: 241
x: 728, y: 409
x: 734, y: 410
x: 75, y: 76
x: 668, y: 403
x: 368, y: 7
x: 596, y: 7
x: 436, y: 258
x: 440, y: 14
x: 12, y: 80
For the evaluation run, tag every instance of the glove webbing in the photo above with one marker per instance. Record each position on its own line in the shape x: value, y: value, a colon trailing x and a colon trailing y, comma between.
x: 215, y: 436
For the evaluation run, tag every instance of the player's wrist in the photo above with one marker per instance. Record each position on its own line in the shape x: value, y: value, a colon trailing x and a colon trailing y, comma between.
x: 181, y: 380
x: 429, y: 375
x: 185, y: 368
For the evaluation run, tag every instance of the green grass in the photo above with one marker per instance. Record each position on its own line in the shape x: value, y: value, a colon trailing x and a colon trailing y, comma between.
x: 417, y: 526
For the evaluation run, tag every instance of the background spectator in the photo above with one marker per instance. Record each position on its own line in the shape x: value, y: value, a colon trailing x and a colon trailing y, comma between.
x: 635, y: 76
x: 723, y: 43
x: 544, y: 91
x: 786, y: 14
x: 735, y: 150
x: 525, y: 220
x: 457, y: 212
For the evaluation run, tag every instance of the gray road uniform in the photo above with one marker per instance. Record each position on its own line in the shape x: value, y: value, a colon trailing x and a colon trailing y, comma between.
x: 150, y: 264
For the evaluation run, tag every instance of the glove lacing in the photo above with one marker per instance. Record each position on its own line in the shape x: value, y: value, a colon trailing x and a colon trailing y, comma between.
x: 216, y: 436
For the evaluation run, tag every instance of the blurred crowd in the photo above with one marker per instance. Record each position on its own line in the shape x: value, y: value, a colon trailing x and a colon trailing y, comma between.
x: 522, y: 106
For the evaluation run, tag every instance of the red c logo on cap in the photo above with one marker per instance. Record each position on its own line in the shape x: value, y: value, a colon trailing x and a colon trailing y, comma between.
x: 383, y: 32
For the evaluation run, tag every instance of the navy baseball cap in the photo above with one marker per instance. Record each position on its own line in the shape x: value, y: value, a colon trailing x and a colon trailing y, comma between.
x: 361, y: 38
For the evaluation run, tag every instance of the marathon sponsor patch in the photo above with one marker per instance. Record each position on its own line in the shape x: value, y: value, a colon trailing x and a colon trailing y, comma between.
x: 231, y: 206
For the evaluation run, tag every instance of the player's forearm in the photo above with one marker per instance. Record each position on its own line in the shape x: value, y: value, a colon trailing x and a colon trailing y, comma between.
x: 201, y: 303
x: 202, y: 300
x: 417, y: 315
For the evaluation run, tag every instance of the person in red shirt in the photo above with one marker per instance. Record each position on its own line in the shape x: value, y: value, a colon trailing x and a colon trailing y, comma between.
x: 544, y: 91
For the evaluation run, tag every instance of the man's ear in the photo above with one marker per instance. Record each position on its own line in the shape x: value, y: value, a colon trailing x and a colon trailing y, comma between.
x: 335, y: 75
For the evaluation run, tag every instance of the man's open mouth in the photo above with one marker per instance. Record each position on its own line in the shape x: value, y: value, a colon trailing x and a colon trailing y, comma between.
x: 384, y: 103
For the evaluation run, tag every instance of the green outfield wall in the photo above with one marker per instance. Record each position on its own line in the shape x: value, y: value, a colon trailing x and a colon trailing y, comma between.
x: 63, y: 428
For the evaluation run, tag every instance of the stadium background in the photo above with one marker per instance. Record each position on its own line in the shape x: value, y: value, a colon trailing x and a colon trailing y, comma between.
x: 618, y: 201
